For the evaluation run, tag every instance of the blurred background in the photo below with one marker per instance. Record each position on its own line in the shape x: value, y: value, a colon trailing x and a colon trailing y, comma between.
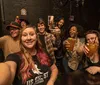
x: 83, y: 12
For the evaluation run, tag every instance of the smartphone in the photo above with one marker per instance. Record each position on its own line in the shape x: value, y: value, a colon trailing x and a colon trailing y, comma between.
x: 50, y: 19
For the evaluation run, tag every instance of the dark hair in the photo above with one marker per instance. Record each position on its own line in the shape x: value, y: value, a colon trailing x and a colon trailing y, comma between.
x: 41, y: 21
x: 93, y: 32
x: 79, y: 29
x: 57, y: 19
x: 24, y: 20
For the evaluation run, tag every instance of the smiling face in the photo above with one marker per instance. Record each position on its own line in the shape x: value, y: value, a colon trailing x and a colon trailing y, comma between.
x: 92, y: 38
x: 41, y: 28
x: 61, y: 23
x: 73, y: 32
x: 14, y: 32
x: 28, y: 38
x: 23, y: 24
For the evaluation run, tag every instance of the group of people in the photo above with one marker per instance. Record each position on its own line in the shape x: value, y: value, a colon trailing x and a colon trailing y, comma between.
x: 35, y: 56
x: 29, y: 64
x: 86, y: 70
x: 82, y: 61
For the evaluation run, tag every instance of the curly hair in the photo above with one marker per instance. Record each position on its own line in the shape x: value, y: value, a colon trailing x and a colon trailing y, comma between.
x: 79, y: 29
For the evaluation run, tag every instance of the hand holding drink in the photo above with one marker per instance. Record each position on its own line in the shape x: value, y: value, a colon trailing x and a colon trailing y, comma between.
x: 70, y: 44
x: 92, y: 48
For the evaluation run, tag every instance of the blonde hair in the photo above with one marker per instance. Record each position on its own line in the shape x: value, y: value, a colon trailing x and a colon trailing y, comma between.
x: 27, y: 61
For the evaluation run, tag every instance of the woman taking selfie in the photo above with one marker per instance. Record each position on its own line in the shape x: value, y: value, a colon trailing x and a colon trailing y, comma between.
x: 30, y: 66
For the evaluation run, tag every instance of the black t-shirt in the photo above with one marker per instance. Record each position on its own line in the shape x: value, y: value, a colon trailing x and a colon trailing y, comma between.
x: 39, y: 77
x: 92, y: 79
x: 89, y: 62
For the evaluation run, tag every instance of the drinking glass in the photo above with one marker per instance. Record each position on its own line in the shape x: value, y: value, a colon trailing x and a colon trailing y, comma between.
x: 72, y: 43
x: 92, y: 48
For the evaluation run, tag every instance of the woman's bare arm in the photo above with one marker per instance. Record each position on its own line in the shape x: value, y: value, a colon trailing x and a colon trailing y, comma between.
x: 54, y: 73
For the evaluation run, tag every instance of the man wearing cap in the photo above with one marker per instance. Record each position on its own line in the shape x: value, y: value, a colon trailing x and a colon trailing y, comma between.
x: 10, y: 43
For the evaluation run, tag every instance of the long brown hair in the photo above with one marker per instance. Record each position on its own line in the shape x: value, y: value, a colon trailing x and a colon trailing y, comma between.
x: 27, y: 62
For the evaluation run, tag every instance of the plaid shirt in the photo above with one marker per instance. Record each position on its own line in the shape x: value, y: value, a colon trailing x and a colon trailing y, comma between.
x: 49, y: 41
